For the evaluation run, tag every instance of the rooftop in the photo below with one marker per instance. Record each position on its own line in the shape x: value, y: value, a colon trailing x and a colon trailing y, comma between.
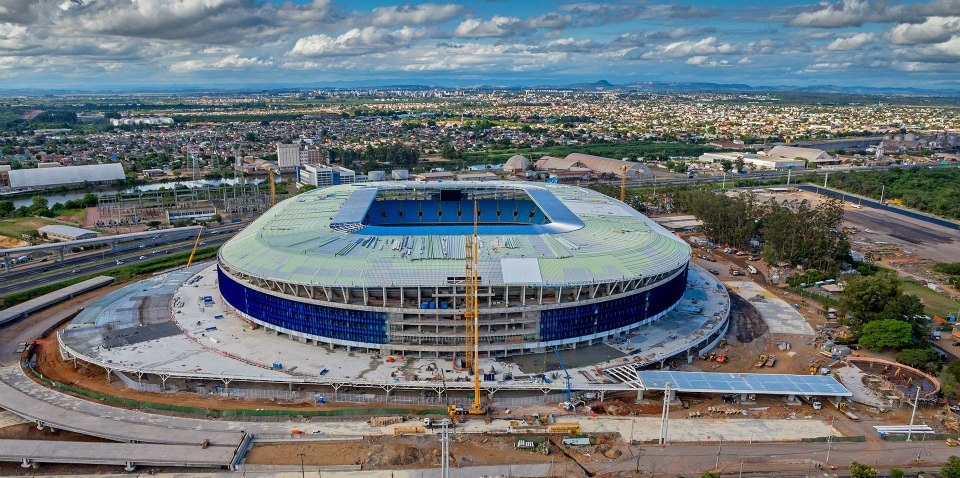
x: 348, y: 235
x: 755, y: 383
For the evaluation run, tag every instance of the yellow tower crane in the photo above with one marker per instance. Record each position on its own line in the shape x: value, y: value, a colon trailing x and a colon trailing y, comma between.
x: 273, y: 189
x: 472, y: 313
x: 623, y: 183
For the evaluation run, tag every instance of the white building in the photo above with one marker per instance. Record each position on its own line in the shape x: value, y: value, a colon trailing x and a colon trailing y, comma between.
x: 60, y: 232
x: 288, y: 156
x: 323, y: 176
x: 753, y: 161
x: 40, y: 178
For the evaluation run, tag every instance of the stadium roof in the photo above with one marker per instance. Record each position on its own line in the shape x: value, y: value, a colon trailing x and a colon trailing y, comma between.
x: 317, y: 238
x: 43, y: 177
x: 756, y: 383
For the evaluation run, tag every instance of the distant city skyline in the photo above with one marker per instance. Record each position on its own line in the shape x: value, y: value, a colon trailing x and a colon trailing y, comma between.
x: 230, y: 43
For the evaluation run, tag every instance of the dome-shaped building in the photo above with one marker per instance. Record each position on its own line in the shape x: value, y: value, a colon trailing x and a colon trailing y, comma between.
x: 517, y: 164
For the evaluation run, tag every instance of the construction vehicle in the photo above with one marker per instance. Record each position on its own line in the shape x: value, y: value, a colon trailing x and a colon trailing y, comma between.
x: 761, y: 361
x: 723, y: 343
x: 722, y: 358
x: 571, y: 405
x: 472, y: 315
x: 771, y: 360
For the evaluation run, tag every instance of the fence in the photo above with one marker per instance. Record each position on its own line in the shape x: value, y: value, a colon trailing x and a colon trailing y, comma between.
x: 429, y: 399
x: 234, y: 413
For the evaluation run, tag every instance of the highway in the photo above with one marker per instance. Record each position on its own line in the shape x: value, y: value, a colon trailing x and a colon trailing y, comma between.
x: 23, y: 279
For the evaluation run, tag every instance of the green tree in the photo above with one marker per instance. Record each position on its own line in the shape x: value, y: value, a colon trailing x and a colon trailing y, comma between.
x: 879, y: 297
x: 897, y: 473
x: 710, y: 474
x: 6, y: 207
x: 859, y: 470
x: 952, y: 468
x: 926, y: 359
x: 886, y: 333
x: 305, y: 188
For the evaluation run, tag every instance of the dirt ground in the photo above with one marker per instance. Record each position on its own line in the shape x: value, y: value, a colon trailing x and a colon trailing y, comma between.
x: 9, y: 242
x: 28, y: 431
x: 400, y: 452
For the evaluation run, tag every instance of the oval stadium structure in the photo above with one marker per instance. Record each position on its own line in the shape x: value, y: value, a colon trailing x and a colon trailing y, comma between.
x: 382, y: 266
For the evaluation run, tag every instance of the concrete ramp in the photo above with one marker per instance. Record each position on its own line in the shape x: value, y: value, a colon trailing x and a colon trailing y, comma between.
x: 780, y: 316
x: 25, y: 398
x: 124, y: 454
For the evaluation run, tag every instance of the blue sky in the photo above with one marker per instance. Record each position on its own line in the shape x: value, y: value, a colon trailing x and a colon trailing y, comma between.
x: 129, y: 43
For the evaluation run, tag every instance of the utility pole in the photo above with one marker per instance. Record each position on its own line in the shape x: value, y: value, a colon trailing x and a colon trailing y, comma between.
x: 829, y: 446
x: 883, y: 188
x: 913, y: 414
x: 919, y: 453
x: 444, y: 452
x: 825, y: 176
x: 665, y: 416
x: 303, y: 474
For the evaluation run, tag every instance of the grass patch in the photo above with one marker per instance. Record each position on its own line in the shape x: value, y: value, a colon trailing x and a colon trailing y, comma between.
x: 935, y: 302
x: 72, y: 215
x: 122, y: 274
x: 15, y: 227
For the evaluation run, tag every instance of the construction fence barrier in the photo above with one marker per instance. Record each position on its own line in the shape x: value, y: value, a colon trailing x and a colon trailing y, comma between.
x: 234, y: 412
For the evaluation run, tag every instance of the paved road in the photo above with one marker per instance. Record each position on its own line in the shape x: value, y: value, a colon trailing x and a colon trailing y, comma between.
x: 777, y: 457
x: 40, y: 451
x: 26, y: 398
x: 18, y: 281
x: 865, y: 202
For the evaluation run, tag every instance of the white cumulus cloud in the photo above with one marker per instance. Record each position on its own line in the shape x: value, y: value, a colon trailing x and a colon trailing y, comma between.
x: 851, y: 42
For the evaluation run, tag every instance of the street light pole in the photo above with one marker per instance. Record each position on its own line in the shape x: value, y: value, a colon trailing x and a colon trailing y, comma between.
x: 913, y: 414
x: 719, y: 449
x: 303, y: 474
x: 829, y: 445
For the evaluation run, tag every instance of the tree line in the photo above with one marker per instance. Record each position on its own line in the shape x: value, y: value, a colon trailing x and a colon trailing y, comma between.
x: 39, y: 206
x: 929, y: 190
x: 797, y: 233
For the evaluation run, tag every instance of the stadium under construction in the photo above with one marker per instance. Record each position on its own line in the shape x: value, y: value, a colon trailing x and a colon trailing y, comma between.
x: 340, y: 275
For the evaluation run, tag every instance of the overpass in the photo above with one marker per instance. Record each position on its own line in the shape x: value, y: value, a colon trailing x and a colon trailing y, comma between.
x: 128, y: 455
x: 147, y: 238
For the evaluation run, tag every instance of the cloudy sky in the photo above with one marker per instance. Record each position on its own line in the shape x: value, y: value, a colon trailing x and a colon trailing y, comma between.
x: 124, y: 43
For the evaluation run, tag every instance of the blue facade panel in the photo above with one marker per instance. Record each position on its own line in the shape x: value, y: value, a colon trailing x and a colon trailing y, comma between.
x: 570, y: 322
x: 330, y: 322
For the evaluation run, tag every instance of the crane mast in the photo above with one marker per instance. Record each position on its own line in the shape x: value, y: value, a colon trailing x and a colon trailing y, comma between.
x: 472, y: 313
